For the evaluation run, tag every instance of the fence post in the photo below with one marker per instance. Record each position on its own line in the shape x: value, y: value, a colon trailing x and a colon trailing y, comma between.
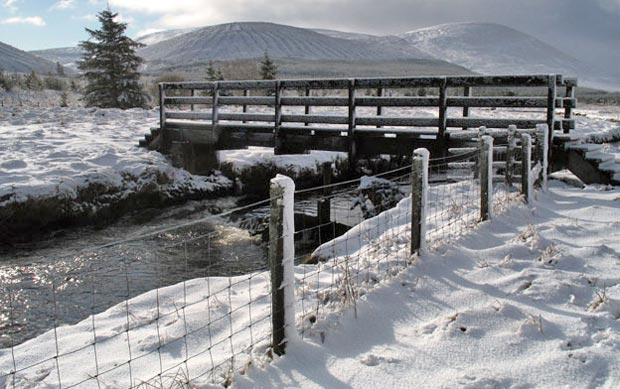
x: 568, y: 111
x: 214, y: 109
x: 246, y: 93
x: 551, y: 96
x: 526, y: 166
x: 379, y: 107
x: 278, y: 140
x: 324, y: 205
x: 544, y: 134
x: 307, y: 107
x: 467, y: 92
x: 193, y: 94
x: 162, y: 107
x: 419, y: 188
x: 281, y: 257
x: 486, y: 177
x: 351, y: 125
x: 510, y: 154
x: 443, y: 114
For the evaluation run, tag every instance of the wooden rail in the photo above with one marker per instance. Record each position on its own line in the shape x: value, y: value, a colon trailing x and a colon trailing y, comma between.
x: 237, y: 114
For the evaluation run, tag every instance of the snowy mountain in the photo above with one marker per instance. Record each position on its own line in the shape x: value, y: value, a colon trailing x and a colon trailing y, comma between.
x: 393, y: 43
x: 493, y: 49
x: 15, y: 60
x: 160, y: 36
x: 251, y: 40
x: 66, y: 56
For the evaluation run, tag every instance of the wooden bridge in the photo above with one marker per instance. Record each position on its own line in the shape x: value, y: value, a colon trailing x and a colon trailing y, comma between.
x: 360, y: 116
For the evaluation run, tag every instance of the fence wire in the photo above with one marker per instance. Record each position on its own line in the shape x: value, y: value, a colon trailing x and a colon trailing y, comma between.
x: 192, y: 303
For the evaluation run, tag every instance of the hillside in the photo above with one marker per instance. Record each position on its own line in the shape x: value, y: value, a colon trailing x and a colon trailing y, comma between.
x: 66, y: 56
x: 493, y: 49
x: 15, y: 60
x: 251, y: 40
x: 160, y: 36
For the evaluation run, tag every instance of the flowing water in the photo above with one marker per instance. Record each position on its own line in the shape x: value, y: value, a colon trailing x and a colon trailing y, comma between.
x: 64, y: 279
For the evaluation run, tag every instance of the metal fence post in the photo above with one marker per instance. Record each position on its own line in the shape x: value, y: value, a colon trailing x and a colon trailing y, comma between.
x: 419, y: 188
x: 526, y: 166
x: 486, y: 177
x: 281, y: 261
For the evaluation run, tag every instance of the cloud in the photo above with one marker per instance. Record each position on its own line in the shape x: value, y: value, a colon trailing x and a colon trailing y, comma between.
x: 63, y: 4
x: 610, y: 5
x: 10, y: 5
x: 34, y: 20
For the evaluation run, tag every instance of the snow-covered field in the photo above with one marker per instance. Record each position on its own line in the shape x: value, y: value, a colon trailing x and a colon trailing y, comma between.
x: 531, y: 299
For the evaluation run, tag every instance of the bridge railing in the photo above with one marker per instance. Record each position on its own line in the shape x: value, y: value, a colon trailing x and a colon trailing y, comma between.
x: 334, y: 114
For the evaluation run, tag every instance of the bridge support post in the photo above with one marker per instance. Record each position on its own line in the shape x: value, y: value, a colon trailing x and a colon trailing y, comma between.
x: 351, y: 126
x: 419, y: 188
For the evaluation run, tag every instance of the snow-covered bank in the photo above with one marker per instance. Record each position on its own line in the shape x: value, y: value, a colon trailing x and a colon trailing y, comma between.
x: 528, y: 300
x: 63, y: 165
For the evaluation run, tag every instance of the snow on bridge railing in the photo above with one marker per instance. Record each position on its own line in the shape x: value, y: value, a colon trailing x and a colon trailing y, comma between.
x: 194, y: 304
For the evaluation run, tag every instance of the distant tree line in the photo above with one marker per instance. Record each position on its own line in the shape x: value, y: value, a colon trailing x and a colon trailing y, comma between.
x: 35, y: 82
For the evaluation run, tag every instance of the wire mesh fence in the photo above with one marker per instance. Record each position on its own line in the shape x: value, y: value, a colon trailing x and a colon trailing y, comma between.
x: 195, y: 302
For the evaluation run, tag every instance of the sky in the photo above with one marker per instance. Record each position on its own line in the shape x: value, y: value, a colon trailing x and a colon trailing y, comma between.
x: 587, y: 29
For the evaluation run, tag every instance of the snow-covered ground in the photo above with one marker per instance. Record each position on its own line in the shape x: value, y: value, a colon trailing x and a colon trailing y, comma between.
x: 531, y: 299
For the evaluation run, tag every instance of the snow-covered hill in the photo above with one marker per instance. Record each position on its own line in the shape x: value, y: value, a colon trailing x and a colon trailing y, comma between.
x: 14, y: 60
x: 66, y: 56
x: 493, y: 49
x: 251, y: 40
x: 160, y: 36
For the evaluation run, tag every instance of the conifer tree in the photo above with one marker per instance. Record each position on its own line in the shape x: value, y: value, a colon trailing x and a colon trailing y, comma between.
x: 268, y: 69
x: 214, y: 74
x: 110, y: 66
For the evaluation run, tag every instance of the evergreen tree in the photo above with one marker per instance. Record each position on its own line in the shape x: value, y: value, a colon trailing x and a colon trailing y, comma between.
x: 268, y: 69
x: 33, y: 82
x: 60, y: 70
x: 110, y: 66
x: 214, y: 74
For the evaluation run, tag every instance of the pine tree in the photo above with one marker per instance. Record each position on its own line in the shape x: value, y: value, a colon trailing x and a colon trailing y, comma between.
x: 60, y: 70
x: 214, y: 74
x: 110, y: 66
x: 268, y: 69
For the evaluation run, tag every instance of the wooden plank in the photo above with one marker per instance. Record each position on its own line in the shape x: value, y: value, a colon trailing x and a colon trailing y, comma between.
x: 396, y: 102
x: 493, y: 123
x: 245, y: 101
x: 399, y: 132
x: 506, y: 102
x: 312, y: 131
x: 319, y: 119
x: 398, y: 82
x: 249, y: 128
x: 315, y: 101
x: 188, y: 115
x: 188, y: 100
x: 247, y: 117
x: 509, y: 80
x: 327, y: 83
x: 397, y: 121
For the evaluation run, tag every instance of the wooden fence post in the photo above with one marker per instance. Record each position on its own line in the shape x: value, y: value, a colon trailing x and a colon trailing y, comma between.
x: 510, y: 155
x: 419, y: 188
x: 307, y: 107
x: 467, y: 92
x: 278, y: 138
x: 324, y: 205
x: 193, y: 94
x: 486, y: 177
x: 162, y: 107
x: 281, y: 262
x: 215, y: 110
x: 568, y: 111
x: 544, y: 133
x: 526, y: 166
x: 379, y: 107
x: 551, y: 96
x: 443, y: 117
x: 351, y: 125
x: 246, y: 93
